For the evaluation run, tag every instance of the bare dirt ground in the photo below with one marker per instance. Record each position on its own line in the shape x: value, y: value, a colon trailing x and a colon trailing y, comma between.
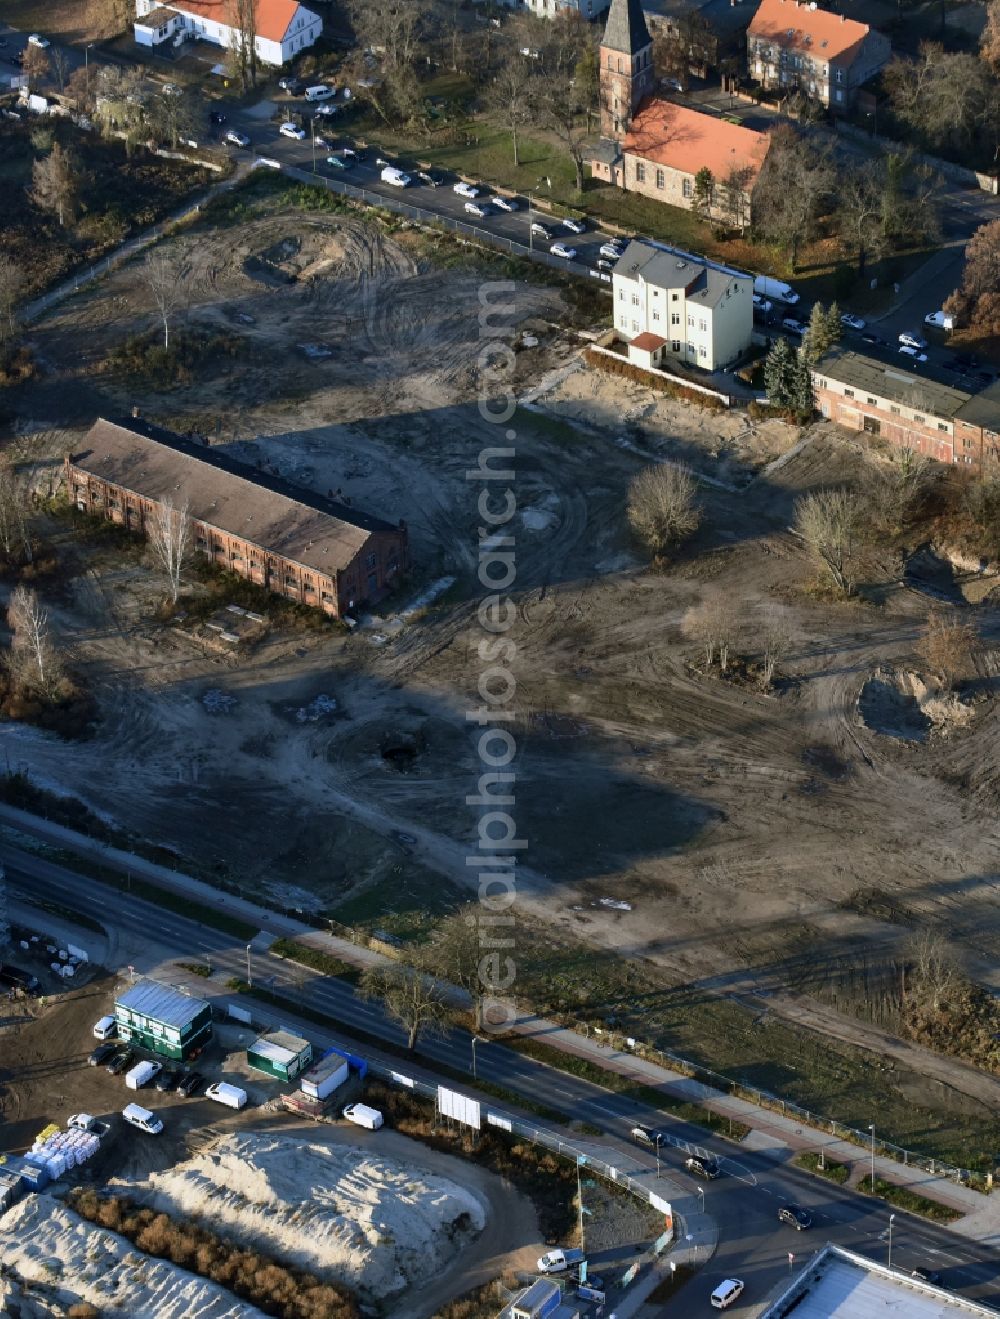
x: 733, y: 823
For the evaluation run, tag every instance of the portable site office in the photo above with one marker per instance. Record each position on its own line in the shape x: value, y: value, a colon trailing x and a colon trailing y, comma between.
x: 163, y: 1020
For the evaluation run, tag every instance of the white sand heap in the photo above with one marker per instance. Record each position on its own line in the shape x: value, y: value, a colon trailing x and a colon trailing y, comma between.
x: 47, y: 1244
x: 369, y: 1221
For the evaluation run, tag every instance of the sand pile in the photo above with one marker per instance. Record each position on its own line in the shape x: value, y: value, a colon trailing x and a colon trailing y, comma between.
x: 371, y: 1222
x: 45, y: 1243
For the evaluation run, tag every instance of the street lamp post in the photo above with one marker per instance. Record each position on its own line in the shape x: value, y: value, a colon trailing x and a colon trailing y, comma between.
x: 871, y: 1128
x: 701, y: 1192
x: 86, y: 58
x: 249, y: 976
x: 474, y: 1043
x: 312, y: 130
x: 657, y: 1144
x: 892, y: 1218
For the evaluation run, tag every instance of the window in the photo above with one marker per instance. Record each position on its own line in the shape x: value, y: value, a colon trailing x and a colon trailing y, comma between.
x: 640, y: 172
x: 620, y: 67
x: 674, y: 297
x: 675, y: 345
x: 687, y: 188
x: 371, y: 560
x: 872, y: 402
x: 848, y: 393
x: 691, y: 322
x: 873, y: 426
x: 623, y: 320
x: 894, y: 410
x: 943, y: 426
x: 703, y: 351
x: 621, y: 294
x: 660, y: 179
x: 675, y: 318
x: 635, y: 326
x: 656, y: 315
x: 635, y: 299
x: 840, y: 75
x: 703, y: 325
x: 918, y: 417
x: 966, y: 442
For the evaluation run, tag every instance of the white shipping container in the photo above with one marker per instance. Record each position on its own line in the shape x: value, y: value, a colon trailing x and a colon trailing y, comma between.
x: 321, y: 1081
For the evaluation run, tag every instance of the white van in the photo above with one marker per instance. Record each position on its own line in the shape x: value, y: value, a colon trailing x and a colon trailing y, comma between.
x: 558, y: 1261
x: 396, y: 177
x: 224, y: 1093
x: 320, y: 92
x: 137, y: 1116
x: 141, y: 1074
x: 766, y: 287
x: 105, y: 1029
x: 727, y: 1293
x: 363, y: 1116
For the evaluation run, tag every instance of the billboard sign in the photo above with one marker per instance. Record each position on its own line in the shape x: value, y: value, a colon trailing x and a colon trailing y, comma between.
x: 459, y: 1107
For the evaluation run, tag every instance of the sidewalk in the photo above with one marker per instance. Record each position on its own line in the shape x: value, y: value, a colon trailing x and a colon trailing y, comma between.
x: 779, y: 1136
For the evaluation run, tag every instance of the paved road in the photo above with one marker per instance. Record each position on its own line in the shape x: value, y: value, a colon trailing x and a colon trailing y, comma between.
x: 740, y: 1207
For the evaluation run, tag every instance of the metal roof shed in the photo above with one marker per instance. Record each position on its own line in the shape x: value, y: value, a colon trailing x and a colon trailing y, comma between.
x: 281, y: 1054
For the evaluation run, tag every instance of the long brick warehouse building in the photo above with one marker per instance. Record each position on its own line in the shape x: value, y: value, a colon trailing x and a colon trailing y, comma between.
x: 287, y: 539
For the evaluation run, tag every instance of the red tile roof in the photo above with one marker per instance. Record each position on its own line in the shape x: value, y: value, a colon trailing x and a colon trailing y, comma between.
x: 274, y: 17
x: 647, y: 341
x: 685, y: 140
x: 799, y: 27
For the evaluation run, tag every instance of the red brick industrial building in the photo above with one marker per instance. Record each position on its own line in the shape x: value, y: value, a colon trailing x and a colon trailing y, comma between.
x: 908, y: 410
x: 286, y: 539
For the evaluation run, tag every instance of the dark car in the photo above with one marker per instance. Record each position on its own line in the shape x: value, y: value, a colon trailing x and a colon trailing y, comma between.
x: 927, y: 1275
x: 647, y: 1135
x: 167, y: 1079
x: 293, y: 86
x: 101, y: 1054
x: 190, y: 1084
x: 121, y: 1062
x: 430, y: 178
x: 216, y: 117
x: 795, y: 1216
x: 702, y: 1165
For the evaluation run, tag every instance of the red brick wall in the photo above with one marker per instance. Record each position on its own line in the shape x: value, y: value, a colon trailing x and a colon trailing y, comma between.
x: 352, y: 587
x: 901, y: 431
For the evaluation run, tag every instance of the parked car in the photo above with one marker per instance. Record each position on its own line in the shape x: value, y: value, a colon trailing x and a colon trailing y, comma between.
x: 105, y: 1028
x: 43, y: 43
x: 167, y: 1079
x: 703, y: 1165
x: 466, y: 190
x: 320, y: 92
x: 792, y: 326
x: 142, y: 1118
x: 727, y: 1293
x: 326, y: 111
x: 910, y: 339
x: 507, y: 203
x: 101, y: 1054
x: 795, y: 1216
x: 363, y: 1116
x: 430, y: 178
x: 927, y: 1275
x: 354, y: 153
x: 851, y: 321
x: 564, y: 250
x: 323, y: 143
x: 224, y: 1093
x: 236, y: 139
x: 775, y: 289
x: 85, y: 1122
x: 395, y: 177
x: 288, y: 129
x: 540, y: 230
x: 216, y: 117
x: 939, y: 320
x: 340, y: 162
x: 602, y: 263
x: 612, y: 249
x: 873, y: 339
x: 762, y: 306
x: 123, y: 1059
x: 293, y: 86
x: 573, y: 225
x: 481, y: 209
x: 141, y: 1074
x: 913, y: 353
x: 190, y: 1084
x: 558, y: 1261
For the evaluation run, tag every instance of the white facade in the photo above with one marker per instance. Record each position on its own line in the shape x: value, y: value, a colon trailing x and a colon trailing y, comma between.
x: 169, y: 22
x: 550, y: 8
x: 702, y: 312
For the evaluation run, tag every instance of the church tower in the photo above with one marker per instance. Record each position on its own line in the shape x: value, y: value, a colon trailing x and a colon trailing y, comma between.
x: 626, y: 73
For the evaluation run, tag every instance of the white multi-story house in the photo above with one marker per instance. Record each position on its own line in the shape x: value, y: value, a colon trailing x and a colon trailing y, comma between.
x: 283, y: 27
x: 668, y: 303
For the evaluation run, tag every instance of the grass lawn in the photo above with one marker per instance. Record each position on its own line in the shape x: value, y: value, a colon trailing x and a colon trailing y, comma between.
x: 903, y: 1198
x: 74, y: 21
x: 828, y: 1168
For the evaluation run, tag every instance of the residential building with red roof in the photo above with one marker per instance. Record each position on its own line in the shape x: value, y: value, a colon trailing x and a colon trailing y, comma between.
x: 803, y: 48
x: 283, y: 27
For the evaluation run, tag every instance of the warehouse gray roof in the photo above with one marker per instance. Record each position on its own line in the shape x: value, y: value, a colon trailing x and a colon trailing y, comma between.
x: 838, y: 1284
x: 626, y: 28
x: 163, y: 1003
x: 892, y: 382
x: 983, y: 409
x: 670, y: 268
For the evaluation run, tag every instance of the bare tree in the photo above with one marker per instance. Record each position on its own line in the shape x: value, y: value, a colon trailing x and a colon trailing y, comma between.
x: 714, y: 625
x: 245, y: 36
x: 55, y: 184
x: 14, y: 538
x: 775, y: 630
x: 33, y: 655
x: 456, y: 953
x: 989, y: 42
x: 169, y: 532
x: 120, y: 103
x: 59, y: 59
x: 11, y: 288
x: 828, y: 521
x: 796, y: 180
x: 946, y: 97
x: 511, y: 97
x: 561, y: 111
x: 662, y: 505
x: 934, y: 970
x: 894, y: 491
x: 167, y: 274
x: 948, y: 645
x: 81, y: 85
x: 409, y: 996
x: 734, y: 196
x: 35, y: 65
x: 176, y: 116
